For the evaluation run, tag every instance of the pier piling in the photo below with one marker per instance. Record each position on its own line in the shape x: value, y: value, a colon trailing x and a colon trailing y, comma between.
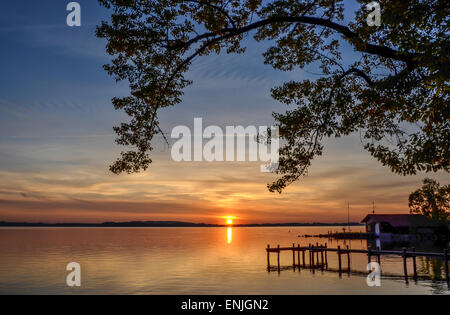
x: 379, y: 256
x: 321, y: 257
x: 348, y: 258
x: 278, y: 258
x: 317, y: 254
x: 303, y: 257
x: 293, y: 255
x: 446, y: 266
x: 339, y: 258
x: 405, y: 267
x: 309, y: 252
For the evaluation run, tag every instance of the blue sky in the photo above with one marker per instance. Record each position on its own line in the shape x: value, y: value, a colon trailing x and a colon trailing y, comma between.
x: 56, y: 138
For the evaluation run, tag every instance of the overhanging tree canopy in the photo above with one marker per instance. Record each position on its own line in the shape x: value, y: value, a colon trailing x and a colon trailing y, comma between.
x: 432, y: 200
x: 396, y: 95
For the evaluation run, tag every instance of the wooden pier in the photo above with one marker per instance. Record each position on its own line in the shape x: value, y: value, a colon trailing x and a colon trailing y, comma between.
x: 318, y: 257
x: 342, y: 235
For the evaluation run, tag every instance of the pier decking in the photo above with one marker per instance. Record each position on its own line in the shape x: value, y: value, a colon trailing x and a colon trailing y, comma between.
x: 342, y: 235
x: 318, y: 257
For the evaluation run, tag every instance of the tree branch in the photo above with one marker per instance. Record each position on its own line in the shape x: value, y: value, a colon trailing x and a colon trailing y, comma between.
x: 358, y: 72
x: 344, y: 30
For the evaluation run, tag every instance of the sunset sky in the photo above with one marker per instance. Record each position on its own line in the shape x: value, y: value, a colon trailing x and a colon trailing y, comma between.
x: 56, y: 138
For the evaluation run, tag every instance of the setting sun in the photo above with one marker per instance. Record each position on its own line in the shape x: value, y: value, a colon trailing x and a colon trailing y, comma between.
x: 229, y: 220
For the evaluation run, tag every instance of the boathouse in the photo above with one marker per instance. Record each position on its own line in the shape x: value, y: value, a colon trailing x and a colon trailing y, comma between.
x: 401, y: 224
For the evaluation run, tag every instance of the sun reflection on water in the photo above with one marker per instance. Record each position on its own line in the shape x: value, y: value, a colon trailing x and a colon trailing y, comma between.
x: 229, y: 235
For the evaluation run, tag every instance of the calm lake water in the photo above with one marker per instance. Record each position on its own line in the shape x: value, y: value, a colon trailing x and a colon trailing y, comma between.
x: 187, y: 261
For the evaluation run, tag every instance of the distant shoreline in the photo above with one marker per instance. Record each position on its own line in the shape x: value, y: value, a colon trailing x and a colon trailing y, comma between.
x: 168, y: 224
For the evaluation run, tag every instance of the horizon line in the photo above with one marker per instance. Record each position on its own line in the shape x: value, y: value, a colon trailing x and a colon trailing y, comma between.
x: 170, y: 224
